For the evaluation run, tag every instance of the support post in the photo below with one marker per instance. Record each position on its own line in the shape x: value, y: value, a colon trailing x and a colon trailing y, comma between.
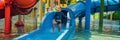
x: 93, y: 24
x: 7, y: 25
x: 87, y: 15
x: 51, y: 4
x: 47, y: 6
x: 111, y: 16
x: 80, y: 24
x: 35, y: 18
x: 59, y: 3
x: 41, y: 14
x: 101, y: 15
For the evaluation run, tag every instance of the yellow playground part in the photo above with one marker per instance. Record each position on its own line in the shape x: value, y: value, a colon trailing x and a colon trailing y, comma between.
x: 63, y: 5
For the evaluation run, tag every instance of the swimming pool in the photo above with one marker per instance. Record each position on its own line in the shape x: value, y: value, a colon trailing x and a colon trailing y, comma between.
x: 96, y: 36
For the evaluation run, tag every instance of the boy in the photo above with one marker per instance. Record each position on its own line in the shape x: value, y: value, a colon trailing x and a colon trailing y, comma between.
x: 57, y: 19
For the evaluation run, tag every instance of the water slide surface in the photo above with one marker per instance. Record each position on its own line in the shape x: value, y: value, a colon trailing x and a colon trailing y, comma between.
x: 68, y: 30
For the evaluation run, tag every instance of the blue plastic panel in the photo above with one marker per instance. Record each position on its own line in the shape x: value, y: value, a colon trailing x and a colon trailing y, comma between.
x: 79, y: 7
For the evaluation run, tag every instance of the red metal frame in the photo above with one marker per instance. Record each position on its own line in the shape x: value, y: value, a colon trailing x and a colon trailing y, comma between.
x: 7, y: 20
x: 8, y: 11
x: 2, y: 4
x: 7, y: 25
x: 25, y: 4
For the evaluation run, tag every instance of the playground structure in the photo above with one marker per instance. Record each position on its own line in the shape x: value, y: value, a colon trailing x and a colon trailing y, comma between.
x: 67, y: 31
x: 9, y: 8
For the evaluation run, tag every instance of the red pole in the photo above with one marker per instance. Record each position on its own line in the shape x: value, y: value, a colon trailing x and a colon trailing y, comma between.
x: 7, y: 22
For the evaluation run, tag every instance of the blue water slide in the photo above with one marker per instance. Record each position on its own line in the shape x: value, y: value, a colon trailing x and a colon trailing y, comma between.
x: 45, y: 30
x: 79, y: 7
x: 67, y: 30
